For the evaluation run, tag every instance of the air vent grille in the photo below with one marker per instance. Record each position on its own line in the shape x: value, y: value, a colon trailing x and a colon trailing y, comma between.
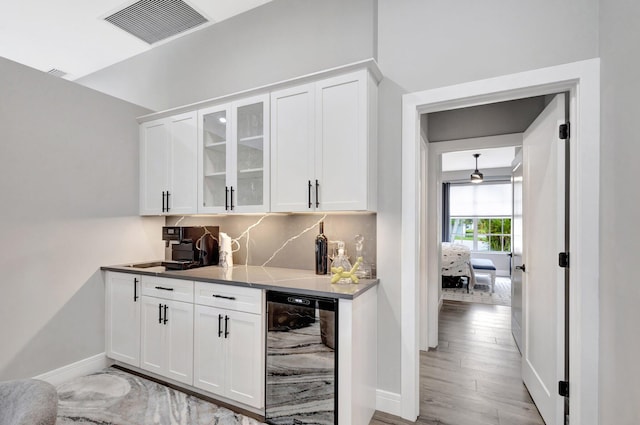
x: 56, y: 72
x: 156, y: 20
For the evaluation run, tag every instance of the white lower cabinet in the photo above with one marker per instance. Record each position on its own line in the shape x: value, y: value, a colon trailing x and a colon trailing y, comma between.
x: 167, y: 338
x: 123, y: 317
x: 229, y: 344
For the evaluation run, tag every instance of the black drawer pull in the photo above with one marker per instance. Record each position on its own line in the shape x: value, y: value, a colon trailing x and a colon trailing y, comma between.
x: 135, y: 289
x: 166, y: 307
x: 219, y: 325
x: 164, y: 289
x: 226, y: 326
x: 225, y: 297
x: 160, y: 313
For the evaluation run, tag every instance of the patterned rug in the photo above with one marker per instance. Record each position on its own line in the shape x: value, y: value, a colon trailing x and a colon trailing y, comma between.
x: 482, y: 294
x: 115, y: 397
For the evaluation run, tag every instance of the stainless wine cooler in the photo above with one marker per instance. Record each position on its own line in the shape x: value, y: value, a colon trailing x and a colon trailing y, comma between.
x: 302, y: 363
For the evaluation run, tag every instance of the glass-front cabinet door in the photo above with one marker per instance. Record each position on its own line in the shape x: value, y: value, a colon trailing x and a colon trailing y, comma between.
x: 215, y: 159
x: 234, y: 157
x: 251, y: 156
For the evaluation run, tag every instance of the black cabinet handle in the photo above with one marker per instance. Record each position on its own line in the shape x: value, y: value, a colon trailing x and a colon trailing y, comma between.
x: 164, y: 289
x: 309, y: 193
x: 163, y: 195
x: 226, y: 198
x: 317, y: 195
x: 168, y: 194
x: 160, y: 313
x: 232, y: 198
x: 166, y: 307
x: 225, y: 297
x: 135, y: 289
x: 219, y: 325
x: 226, y: 326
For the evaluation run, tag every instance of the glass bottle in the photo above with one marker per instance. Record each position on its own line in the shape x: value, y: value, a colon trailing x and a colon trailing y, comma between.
x: 321, y: 251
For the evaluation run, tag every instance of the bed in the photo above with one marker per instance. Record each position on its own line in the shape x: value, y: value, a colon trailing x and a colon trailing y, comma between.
x: 455, y: 265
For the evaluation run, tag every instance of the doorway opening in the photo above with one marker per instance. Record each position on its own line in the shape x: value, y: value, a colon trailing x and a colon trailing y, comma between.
x: 581, y: 80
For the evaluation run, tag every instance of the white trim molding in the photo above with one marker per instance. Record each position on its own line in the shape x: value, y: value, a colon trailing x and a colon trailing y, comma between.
x: 75, y: 370
x: 582, y: 81
x: 388, y: 402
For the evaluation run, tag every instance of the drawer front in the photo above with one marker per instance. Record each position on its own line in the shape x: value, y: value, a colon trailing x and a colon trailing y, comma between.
x: 229, y: 297
x: 168, y: 289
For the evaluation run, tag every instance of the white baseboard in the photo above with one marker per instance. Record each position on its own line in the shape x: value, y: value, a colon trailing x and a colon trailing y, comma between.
x: 74, y: 370
x: 388, y: 402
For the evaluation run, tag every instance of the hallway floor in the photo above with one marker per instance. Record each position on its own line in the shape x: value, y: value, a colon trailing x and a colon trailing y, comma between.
x: 473, y: 377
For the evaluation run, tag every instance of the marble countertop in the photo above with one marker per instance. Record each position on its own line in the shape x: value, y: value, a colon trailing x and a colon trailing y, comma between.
x: 304, y: 282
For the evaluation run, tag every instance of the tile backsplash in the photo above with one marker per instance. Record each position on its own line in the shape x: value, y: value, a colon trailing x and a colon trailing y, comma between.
x: 280, y: 240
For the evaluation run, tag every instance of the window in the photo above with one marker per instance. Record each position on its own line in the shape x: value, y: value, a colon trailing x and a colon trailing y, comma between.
x: 480, y: 216
x: 482, y: 233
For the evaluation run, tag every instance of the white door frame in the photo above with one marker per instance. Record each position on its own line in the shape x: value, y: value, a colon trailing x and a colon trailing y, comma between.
x: 582, y: 81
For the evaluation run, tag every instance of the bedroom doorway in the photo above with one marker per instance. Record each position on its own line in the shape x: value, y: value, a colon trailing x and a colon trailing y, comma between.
x: 469, y: 215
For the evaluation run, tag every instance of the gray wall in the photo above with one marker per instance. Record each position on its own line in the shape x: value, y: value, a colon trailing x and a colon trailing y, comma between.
x: 619, y: 212
x: 420, y: 45
x: 277, y: 41
x: 69, y: 187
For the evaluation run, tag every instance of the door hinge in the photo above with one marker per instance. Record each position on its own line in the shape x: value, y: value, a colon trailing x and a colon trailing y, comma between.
x: 563, y: 388
x: 564, y: 131
x: 563, y: 259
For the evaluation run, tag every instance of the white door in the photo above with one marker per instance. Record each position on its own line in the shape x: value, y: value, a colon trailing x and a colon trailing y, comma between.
x: 516, y: 251
x: 245, y: 358
x: 209, y: 345
x: 123, y: 317
x: 183, y: 180
x: 543, y: 279
x: 292, y: 144
x: 154, y: 165
x: 152, y: 335
x: 178, y: 325
x: 341, y: 143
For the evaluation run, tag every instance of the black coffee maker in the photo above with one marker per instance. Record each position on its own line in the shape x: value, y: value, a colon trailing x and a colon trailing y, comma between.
x: 191, y: 246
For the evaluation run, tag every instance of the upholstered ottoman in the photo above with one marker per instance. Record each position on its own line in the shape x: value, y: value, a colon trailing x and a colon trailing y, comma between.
x: 28, y: 402
x: 481, y: 265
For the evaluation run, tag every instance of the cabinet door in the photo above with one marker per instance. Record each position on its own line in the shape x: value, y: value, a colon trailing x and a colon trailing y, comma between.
x: 292, y: 149
x: 250, y: 132
x: 152, y: 352
x: 214, y: 160
x: 183, y: 180
x: 244, y: 363
x: 123, y: 317
x: 178, y: 347
x: 209, y: 345
x: 154, y: 166
x: 341, y: 142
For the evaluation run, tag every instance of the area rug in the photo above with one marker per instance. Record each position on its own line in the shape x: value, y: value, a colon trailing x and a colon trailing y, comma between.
x: 482, y: 294
x: 115, y: 397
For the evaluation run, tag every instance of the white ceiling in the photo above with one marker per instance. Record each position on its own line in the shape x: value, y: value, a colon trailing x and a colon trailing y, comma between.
x: 72, y: 35
x: 489, y: 158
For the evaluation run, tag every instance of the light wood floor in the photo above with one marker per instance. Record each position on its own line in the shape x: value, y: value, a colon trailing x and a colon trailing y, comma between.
x: 473, y: 377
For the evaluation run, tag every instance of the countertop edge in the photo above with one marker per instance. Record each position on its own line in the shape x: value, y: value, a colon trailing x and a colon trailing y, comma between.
x: 268, y: 286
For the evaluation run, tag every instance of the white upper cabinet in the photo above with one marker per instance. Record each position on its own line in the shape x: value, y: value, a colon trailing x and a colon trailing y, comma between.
x: 168, y: 176
x: 324, y: 145
x: 233, y: 160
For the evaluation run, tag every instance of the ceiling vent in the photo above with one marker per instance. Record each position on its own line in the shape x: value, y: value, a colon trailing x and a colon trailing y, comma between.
x: 156, y: 20
x: 56, y: 72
